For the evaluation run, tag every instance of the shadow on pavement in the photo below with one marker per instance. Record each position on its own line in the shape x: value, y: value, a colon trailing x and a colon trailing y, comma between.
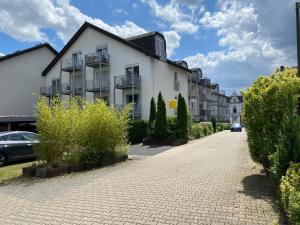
x: 259, y: 187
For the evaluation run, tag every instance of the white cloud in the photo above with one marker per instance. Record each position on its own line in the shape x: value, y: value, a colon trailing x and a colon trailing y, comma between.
x: 243, y: 33
x: 1, y: 54
x: 59, y: 15
x: 120, y: 11
x: 173, y: 41
x: 173, y: 14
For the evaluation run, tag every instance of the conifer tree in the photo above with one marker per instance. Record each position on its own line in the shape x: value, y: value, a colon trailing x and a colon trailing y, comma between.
x: 152, y: 117
x: 182, y: 117
x: 160, y: 129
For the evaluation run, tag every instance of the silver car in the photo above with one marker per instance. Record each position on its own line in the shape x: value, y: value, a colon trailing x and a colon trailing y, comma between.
x: 17, y: 145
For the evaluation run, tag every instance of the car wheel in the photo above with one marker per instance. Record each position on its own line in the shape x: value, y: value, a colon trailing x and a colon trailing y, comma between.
x: 3, y: 159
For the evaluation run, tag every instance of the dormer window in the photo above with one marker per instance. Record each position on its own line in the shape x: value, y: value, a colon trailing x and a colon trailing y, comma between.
x: 160, y: 47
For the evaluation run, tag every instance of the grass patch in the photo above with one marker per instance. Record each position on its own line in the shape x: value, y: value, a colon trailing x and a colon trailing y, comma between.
x: 11, y: 173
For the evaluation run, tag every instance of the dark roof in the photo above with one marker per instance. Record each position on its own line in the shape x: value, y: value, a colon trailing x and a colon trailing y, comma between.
x: 17, y: 53
x: 142, y: 35
x: 98, y: 29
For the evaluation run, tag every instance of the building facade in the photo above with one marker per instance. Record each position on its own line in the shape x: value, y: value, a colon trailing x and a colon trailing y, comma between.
x: 98, y: 64
x: 236, y: 108
x: 206, y: 100
x: 20, y: 79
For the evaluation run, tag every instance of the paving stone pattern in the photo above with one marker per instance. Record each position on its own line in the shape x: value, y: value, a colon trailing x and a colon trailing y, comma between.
x: 208, y: 181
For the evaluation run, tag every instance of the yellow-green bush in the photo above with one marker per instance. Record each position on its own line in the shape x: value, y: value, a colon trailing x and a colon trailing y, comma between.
x: 265, y: 104
x: 76, y: 130
x: 290, y: 193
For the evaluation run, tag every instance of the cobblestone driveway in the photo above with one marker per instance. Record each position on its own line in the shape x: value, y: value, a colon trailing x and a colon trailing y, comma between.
x: 209, y: 181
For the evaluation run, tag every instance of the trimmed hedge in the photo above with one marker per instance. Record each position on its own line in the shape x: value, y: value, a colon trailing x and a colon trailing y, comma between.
x: 290, y: 193
x: 137, y: 131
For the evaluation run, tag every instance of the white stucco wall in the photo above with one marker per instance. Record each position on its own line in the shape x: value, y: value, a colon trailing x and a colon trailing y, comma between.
x: 21, y: 81
x: 155, y: 75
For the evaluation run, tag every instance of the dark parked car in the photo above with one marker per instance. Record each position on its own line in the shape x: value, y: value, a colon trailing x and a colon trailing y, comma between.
x: 17, y: 145
x: 236, y: 128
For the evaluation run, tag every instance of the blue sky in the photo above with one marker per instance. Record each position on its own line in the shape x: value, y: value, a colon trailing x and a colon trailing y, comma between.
x: 232, y: 41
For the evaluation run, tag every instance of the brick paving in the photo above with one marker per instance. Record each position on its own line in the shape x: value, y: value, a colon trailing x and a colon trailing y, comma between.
x: 208, y: 181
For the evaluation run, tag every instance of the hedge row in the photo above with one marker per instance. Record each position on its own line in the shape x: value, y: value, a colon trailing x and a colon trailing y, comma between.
x: 273, y: 130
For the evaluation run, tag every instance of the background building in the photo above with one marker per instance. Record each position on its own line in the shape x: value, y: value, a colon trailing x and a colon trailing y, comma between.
x: 20, y: 79
x: 206, y: 100
x: 236, y: 107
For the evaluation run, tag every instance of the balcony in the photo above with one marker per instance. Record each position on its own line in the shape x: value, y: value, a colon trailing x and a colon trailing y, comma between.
x: 96, y: 59
x: 49, y: 91
x: 70, y: 65
x: 66, y: 89
x: 127, y: 81
x: 97, y: 86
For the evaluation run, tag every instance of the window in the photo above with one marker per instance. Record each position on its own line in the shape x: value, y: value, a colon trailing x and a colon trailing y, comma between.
x: 131, y: 72
x: 234, y: 110
x: 135, y: 98
x: 4, y: 138
x: 15, y: 137
x: 76, y: 58
x: 55, y: 86
x: 102, y: 49
x: 31, y: 136
x: 160, y: 47
x: 175, y: 76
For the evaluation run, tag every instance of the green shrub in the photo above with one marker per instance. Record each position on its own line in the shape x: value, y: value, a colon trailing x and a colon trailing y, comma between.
x: 182, y: 118
x: 173, y: 132
x: 214, y: 124
x: 206, y: 128
x: 288, y: 147
x: 137, y: 131
x: 223, y: 126
x: 160, y: 128
x: 265, y: 104
x: 290, y: 193
x: 152, y: 116
x: 196, y: 132
x: 200, y: 130
x: 75, y: 130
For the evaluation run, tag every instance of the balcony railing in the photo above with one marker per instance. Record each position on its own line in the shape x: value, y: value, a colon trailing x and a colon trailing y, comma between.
x: 70, y: 65
x: 49, y: 91
x: 96, y: 59
x: 97, y: 85
x: 68, y: 89
x: 128, y: 81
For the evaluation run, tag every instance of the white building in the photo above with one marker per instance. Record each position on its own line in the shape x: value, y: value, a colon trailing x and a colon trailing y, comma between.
x: 236, y: 107
x: 98, y: 64
x: 20, y: 79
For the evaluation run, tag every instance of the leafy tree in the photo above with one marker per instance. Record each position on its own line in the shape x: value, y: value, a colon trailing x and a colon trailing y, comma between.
x: 182, y: 117
x: 160, y: 128
x: 152, y: 116
x: 214, y: 124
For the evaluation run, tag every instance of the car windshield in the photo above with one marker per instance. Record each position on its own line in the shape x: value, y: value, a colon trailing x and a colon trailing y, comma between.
x: 236, y: 125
